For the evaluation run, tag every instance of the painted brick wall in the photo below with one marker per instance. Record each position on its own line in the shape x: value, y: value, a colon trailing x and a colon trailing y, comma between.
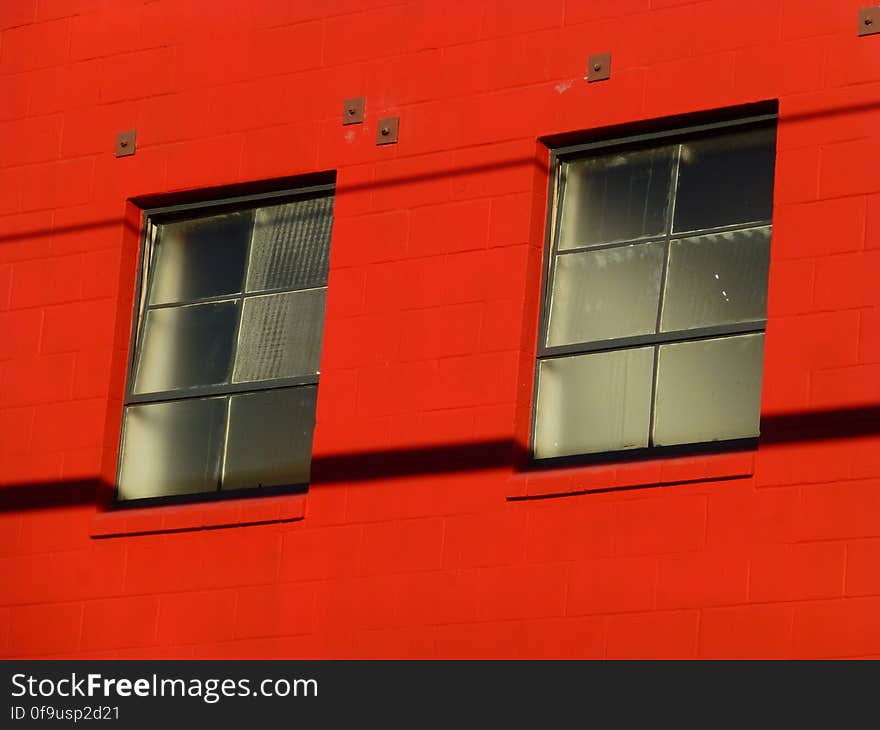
x: 436, y: 545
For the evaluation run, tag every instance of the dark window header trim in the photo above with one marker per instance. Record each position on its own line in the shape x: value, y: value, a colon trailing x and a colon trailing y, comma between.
x: 238, y: 200
x: 768, y: 108
x: 224, y: 194
x: 563, y: 152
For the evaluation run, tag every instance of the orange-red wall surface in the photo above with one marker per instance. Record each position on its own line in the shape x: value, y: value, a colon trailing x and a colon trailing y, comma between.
x: 421, y: 534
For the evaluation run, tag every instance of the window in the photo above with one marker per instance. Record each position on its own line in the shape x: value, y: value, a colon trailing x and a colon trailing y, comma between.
x: 227, y: 345
x: 653, y: 316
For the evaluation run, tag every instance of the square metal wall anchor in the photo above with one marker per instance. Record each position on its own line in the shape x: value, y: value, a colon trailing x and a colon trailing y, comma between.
x: 353, y: 111
x: 599, y: 68
x: 125, y: 143
x: 386, y: 132
x: 869, y: 21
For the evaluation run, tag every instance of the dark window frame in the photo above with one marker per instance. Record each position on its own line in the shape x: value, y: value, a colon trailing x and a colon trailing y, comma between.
x: 631, y: 142
x: 174, y: 212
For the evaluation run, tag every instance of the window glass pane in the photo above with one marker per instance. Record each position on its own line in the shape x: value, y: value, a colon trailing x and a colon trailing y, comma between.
x: 590, y: 403
x: 709, y: 390
x: 717, y: 279
x: 186, y: 346
x: 200, y: 258
x: 172, y: 448
x: 291, y: 245
x: 270, y: 438
x: 726, y: 179
x: 615, y: 197
x: 605, y: 294
x: 280, y: 336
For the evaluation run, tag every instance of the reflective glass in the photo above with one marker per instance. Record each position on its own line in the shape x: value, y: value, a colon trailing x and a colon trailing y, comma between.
x: 291, y: 245
x: 270, y: 438
x: 172, y: 448
x: 605, y: 294
x: 709, y: 390
x: 726, y: 179
x: 186, y: 346
x: 280, y: 336
x: 199, y: 258
x: 717, y: 279
x: 619, y: 196
x: 592, y: 403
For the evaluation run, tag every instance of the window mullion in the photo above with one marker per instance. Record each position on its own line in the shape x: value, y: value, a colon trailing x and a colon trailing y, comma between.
x: 222, y: 471
x: 244, y: 281
x: 661, y: 338
x: 552, y: 252
x: 222, y: 389
x: 670, y: 224
x: 145, y: 275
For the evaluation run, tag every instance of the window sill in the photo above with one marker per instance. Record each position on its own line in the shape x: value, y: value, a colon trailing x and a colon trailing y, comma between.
x: 190, y: 517
x: 574, y: 480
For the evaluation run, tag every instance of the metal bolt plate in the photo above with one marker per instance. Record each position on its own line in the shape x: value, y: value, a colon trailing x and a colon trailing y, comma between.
x: 353, y: 111
x: 125, y: 143
x: 386, y: 131
x: 599, y: 68
x: 869, y: 21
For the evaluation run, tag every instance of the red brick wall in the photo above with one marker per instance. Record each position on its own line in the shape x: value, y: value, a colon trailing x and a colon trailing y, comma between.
x: 430, y: 335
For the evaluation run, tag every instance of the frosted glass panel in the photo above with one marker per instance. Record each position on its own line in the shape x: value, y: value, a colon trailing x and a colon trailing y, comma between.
x: 270, y: 438
x: 186, y: 346
x: 709, y: 390
x: 615, y: 197
x: 172, y: 448
x: 717, y: 279
x: 605, y: 294
x: 590, y: 403
x: 291, y: 245
x: 200, y: 258
x: 726, y: 179
x: 280, y: 336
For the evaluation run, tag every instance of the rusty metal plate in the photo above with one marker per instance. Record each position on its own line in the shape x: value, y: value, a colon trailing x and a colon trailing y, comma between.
x: 386, y: 131
x: 869, y: 21
x: 353, y: 111
x: 125, y: 143
x: 599, y: 68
